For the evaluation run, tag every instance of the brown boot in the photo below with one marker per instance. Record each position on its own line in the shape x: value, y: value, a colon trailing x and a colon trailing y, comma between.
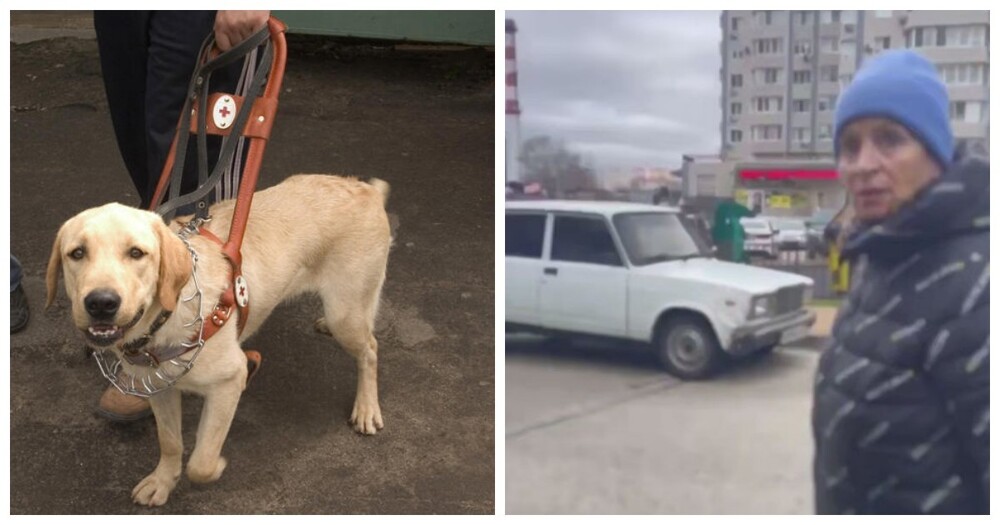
x: 117, y: 406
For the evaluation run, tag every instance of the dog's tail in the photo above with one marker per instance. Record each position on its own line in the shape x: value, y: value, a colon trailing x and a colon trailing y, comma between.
x: 382, y: 187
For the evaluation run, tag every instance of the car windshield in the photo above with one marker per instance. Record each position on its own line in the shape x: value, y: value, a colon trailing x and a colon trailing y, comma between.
x: 788, y: 225
x: 655, y: 237
x: 755, y: 224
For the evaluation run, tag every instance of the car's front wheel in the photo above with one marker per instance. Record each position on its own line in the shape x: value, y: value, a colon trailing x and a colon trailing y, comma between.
x: 688, y: 348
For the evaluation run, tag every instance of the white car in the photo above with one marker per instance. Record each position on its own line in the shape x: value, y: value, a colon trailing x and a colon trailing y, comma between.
x: 790, y: 233
x: 633, y: 272
x: 759, y: 237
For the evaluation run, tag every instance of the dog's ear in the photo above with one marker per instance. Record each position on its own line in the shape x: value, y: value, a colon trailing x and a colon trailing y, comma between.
x: 52, y: 273
x: 175, y: 266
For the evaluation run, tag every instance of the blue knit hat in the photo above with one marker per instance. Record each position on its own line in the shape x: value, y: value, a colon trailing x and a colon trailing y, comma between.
x: 903, y: 86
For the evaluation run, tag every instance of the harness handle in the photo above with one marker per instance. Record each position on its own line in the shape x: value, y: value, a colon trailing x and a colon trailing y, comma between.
x: 257, y: 128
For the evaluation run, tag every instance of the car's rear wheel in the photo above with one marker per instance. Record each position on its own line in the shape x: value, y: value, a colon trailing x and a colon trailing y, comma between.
x: 688, y: 348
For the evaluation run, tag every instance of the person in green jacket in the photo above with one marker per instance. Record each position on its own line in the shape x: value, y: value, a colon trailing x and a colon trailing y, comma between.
x: 727, y: 232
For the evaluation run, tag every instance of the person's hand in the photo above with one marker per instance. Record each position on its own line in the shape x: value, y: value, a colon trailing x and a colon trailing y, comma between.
x: 233, y: 27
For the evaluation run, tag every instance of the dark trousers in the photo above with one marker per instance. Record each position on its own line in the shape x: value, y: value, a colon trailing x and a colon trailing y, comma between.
x: 147, y: 61
x: 15, y: 273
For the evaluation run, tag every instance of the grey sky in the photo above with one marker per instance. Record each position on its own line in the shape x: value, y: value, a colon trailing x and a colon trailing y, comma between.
x: 623, y: 88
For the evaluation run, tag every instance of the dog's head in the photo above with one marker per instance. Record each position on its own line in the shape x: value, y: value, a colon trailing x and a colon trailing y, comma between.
x: 117, y: 263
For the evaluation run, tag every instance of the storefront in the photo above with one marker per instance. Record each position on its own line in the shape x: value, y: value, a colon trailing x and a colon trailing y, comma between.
x: 788, y: 190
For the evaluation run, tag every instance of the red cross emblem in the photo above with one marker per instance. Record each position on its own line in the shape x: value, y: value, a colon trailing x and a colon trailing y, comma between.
x: 224, y: 112
x: 242, y: 295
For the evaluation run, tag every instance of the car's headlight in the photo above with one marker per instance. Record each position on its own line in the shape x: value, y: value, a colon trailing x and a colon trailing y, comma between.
x: 763, y: 306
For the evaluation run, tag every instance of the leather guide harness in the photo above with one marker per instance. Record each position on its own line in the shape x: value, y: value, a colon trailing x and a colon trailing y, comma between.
x: 253, y: 120
x: 233, y: 117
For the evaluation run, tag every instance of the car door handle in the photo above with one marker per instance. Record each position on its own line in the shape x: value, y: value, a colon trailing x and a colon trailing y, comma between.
x: 551, y: 271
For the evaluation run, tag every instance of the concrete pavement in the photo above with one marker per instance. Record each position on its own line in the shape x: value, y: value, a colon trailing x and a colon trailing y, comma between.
x: 604, y: 431
x: 825, y: 316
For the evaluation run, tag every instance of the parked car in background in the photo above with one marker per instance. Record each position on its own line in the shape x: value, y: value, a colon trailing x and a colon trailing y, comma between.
x: 815, y: 226
x: 759, y: 239
x: 790, y: 233
x: 634, y: 272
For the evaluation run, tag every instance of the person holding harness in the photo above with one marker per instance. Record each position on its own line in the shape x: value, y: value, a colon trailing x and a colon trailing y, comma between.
x: 147, y: 58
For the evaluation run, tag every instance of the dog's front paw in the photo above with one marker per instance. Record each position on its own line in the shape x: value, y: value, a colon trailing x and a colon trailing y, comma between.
x: 366, y: 417
x: 206, y: 471
x: 153, y: 491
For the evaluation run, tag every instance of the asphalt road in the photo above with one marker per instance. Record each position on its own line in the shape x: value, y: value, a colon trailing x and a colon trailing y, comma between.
x: 594, y: 429
x: 423, y: 120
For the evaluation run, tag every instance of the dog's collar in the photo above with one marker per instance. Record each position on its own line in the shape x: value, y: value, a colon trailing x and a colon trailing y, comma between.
x: 133, y: 350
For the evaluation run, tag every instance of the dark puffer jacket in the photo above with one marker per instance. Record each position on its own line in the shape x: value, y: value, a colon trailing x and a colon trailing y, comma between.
x: 901, y: 413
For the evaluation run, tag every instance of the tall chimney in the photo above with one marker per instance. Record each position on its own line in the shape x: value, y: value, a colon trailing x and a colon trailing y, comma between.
x: 512, y: 123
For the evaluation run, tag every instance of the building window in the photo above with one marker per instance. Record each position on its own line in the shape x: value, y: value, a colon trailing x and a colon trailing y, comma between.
x: 767, y: 104
x: 825, y: 132
x: 968, y: 112
x: 883, y: 43
x: 800, y: 135
x: 769, y: 133
x: 766, y: 75
x: 802, y: 77
x: 736, y: 81
x: 848, y: 51
x: 829, y: 44
x: 764, y: 18
x: 849, y: 29
x: 802, y: 47
x: 767, y: 46
x: 957, y: 110
x: 735, y: 136
x: 829, y: 17
x: 826, y: 103
x: 965, y: 36
x: 804, y: 17
x: 735, y: 23
x: 800, y: 105
x: 964, y: 74
x: 927, y: 37
x: 828, y: 73
x: 736, y: 108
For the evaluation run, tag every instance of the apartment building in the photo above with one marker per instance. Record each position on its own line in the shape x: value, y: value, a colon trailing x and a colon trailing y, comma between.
x: 783, y: 70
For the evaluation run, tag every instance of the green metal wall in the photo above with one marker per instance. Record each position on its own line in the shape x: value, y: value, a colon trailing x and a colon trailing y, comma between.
x: 459, y: 27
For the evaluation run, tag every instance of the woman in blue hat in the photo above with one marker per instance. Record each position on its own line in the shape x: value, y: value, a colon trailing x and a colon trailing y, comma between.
x: 901, y: 401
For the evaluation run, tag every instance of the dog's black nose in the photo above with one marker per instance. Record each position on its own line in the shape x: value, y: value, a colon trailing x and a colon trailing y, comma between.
x: 102, y: 304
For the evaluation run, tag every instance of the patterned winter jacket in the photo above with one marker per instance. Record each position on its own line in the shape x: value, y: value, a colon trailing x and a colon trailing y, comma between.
x: 901, y: 412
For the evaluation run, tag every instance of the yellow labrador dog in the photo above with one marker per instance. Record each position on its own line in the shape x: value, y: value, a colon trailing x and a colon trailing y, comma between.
x: 312, y: 233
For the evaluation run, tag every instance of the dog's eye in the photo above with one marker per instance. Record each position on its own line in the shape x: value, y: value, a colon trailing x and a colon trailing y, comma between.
x: 136, y: 253
x: 77, y: 254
